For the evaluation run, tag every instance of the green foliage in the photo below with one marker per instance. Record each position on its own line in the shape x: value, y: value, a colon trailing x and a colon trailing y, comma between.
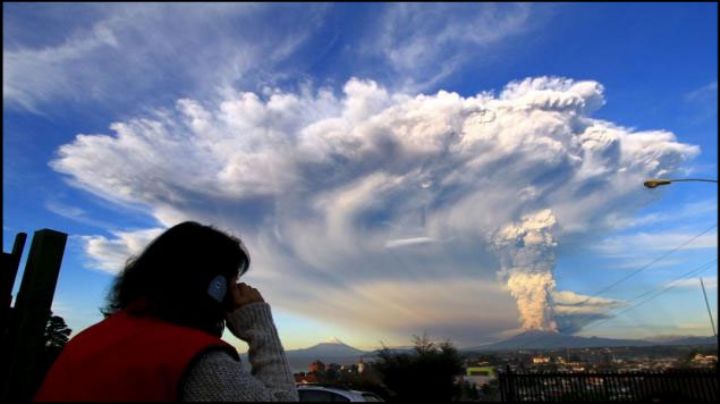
x: 426, y: 374
x: 56, y: 333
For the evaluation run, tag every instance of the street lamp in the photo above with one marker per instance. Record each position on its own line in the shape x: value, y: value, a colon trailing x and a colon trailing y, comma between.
x: 656, y: 182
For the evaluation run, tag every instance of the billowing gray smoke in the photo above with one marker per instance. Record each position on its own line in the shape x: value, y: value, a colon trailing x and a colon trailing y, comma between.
x: 374, y: 192
x: 527, y: 257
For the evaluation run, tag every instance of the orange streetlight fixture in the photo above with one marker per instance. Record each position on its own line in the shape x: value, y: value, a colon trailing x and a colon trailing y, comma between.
x: 656, y: 182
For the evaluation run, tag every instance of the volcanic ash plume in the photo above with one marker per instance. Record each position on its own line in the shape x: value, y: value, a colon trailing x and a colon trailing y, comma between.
x: 527, y: 257
x: 532, y: 291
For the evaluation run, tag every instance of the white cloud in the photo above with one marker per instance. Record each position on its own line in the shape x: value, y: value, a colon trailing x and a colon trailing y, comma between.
x: 112, y: 254
x: 75, y: 213
x: 318, y: 184
x: 694, y: 283
x: 573, y: 311
x: 32, y: 74
x: 642, y: 260
x: 574, y: 302
x: 699, y: 328
x: 454, y: 308
x: 643, y: 242
x: 705, y: 93
x: 426, y: 43
x: 112, y: 53
x: 201, y: 47
x: 685, y: 212
x: 703, y: 104
x: 402, y: 242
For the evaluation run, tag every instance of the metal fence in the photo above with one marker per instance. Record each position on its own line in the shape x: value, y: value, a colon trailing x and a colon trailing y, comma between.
x: 682, y: 385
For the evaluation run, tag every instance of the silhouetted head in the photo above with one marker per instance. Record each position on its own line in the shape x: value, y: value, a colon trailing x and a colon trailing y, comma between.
x: 170, y: 278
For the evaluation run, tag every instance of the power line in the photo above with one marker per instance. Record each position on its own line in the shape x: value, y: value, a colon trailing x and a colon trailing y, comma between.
x: 692, y: 272
x: 631, y: 274
x: 646, y: 266
x: 693, y: 180
x: 672, y: 284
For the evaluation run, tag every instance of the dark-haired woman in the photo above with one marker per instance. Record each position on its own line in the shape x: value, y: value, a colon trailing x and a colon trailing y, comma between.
x: 160, y: 340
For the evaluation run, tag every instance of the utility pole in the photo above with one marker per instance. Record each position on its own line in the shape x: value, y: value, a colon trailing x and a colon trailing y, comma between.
x: 712, y: 323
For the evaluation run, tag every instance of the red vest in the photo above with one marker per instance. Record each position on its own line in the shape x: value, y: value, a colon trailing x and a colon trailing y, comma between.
x: 126, y: 358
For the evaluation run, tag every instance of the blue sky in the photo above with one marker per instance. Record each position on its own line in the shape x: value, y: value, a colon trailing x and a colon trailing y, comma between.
x: 383, y: 160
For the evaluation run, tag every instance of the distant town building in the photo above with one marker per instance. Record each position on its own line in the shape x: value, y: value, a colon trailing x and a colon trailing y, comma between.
x: 705, y: 359
x: 316, y: 366
x: 361, y: 366
x: 536, y: 360
x: 309, y: 378
x: 479, y: 375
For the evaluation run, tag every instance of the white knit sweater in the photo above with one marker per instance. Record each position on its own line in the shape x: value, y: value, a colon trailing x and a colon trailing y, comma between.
x: 217, y: 376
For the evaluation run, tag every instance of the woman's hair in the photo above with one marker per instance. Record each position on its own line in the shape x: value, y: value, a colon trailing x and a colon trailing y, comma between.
x: 170, y: 278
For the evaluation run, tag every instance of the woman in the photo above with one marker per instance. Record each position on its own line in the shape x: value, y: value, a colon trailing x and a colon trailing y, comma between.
x: 160, y: 340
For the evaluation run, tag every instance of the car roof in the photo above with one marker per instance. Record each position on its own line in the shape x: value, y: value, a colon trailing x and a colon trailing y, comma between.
x: 320, y: 386
x: 339, y: 390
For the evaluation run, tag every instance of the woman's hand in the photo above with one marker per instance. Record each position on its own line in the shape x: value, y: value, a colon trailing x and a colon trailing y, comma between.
x: 244, y: 294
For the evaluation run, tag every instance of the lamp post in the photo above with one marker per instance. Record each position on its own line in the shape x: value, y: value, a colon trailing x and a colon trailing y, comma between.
x: 656, y: 182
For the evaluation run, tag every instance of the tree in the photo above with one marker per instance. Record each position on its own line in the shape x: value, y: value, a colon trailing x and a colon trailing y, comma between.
x: 56, y: 335
x: 426, y: 374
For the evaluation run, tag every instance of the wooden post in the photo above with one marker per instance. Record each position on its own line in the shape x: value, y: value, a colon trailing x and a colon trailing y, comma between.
x: 32, y: 310
x: 8, y: 273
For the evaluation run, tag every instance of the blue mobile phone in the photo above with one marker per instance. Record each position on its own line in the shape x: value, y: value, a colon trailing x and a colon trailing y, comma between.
x: 218, y: 288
